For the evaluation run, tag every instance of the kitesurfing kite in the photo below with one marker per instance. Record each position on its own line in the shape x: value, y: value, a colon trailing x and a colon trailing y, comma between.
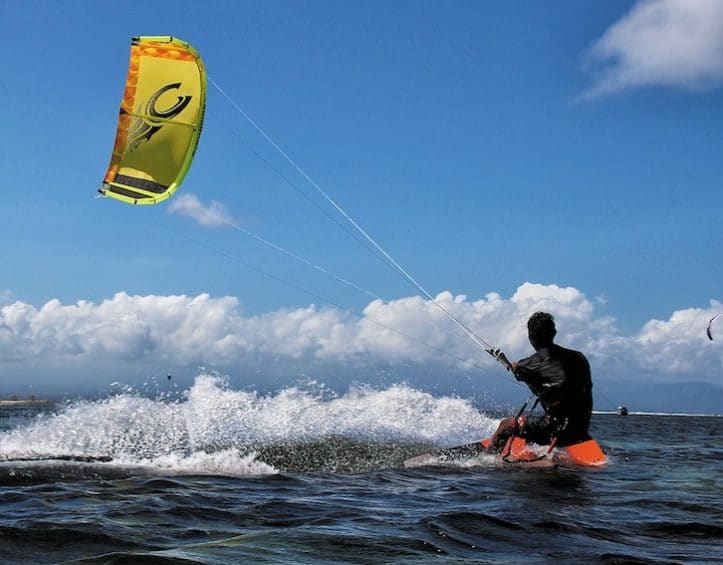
x: 709, y: 329
x: 160, y: 121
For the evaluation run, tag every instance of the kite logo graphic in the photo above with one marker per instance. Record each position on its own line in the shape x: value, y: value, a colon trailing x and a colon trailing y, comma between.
x: 143, y: 128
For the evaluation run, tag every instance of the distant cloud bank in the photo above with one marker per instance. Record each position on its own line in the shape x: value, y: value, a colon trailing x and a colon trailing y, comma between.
x: 672, y: 43
x: 190, y: 331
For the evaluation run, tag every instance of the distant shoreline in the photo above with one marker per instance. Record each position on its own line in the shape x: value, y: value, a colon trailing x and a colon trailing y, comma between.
x: 25, y: 402
x: 615, y: 413
x: 41, y: 402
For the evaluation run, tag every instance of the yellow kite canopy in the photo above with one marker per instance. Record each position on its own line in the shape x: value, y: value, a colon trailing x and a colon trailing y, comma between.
x: 159, y: 123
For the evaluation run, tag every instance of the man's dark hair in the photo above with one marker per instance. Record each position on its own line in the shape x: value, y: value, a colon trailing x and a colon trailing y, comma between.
x: 541, y: 329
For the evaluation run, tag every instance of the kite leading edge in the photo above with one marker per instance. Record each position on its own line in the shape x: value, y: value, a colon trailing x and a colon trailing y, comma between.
x: 711, y: 323
x: 159, y: 123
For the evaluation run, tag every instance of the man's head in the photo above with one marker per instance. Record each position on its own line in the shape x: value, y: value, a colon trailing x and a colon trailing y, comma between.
x: 541, y: 329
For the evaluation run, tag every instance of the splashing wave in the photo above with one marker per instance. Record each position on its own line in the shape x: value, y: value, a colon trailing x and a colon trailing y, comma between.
x: 215, y: 429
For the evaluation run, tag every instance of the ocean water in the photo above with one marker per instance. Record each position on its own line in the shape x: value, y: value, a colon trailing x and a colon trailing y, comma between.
x: 216, y: 475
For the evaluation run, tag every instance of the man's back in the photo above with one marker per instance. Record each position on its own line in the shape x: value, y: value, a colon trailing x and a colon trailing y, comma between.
x: 561, y: 379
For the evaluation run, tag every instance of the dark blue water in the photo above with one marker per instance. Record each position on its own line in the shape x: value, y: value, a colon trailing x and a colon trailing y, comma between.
x: 223, y: 476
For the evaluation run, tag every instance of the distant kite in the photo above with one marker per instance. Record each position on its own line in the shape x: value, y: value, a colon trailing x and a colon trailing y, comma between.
x: 709, y: 329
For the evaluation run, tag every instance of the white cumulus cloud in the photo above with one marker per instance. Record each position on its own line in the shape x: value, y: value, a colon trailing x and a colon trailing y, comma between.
x: 188, y: 331
x: 674, y: 345
x: 212, y: 215
x: 672, y: 43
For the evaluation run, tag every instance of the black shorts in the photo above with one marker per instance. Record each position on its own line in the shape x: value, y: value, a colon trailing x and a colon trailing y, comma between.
x: 542, y: 429
x: 539, y: 429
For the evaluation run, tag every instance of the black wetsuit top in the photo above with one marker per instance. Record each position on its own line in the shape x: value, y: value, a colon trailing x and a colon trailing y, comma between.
x: 561, y: 379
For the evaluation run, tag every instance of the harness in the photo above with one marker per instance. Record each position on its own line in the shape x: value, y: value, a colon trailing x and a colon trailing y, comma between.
x: 520, y: 421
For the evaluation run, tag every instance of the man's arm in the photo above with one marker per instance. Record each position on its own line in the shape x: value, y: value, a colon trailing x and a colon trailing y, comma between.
x: 528, y: 371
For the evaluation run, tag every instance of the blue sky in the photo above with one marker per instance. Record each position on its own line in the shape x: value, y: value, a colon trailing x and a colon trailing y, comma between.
x: 574, y: 147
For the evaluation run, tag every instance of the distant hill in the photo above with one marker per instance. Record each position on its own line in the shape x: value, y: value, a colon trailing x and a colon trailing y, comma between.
x: 686, y: 397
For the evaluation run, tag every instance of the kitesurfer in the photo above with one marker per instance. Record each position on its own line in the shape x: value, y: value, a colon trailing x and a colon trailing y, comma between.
x: 560, y: 378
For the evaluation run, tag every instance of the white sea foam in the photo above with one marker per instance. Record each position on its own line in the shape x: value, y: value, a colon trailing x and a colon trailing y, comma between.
x: 225, y: 462
x: 215, y: 429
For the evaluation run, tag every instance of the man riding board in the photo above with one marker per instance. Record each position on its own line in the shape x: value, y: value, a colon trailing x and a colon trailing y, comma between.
x: 560, y: 378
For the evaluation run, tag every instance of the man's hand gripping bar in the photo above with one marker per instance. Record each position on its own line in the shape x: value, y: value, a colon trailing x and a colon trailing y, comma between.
x: 501, y: 357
